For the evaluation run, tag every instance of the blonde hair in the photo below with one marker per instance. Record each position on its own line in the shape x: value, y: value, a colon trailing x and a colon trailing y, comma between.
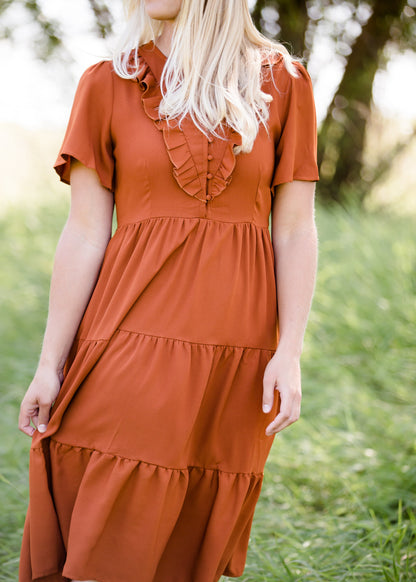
x: 214, y: 69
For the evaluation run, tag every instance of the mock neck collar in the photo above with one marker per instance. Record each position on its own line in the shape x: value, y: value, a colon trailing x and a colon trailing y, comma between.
x: 154, y: 57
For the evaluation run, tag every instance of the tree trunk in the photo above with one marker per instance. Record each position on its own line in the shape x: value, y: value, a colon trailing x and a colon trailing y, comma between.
x: 293, y: 21
x: 341, y: 139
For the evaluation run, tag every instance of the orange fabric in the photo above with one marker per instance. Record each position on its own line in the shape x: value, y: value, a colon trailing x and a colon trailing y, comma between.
x: 153, y: 459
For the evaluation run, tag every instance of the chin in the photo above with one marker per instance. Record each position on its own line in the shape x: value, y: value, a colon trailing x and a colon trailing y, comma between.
x: 163, y: 9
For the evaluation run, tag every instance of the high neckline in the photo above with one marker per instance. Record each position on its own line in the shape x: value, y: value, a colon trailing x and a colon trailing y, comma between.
x: 154, y: 57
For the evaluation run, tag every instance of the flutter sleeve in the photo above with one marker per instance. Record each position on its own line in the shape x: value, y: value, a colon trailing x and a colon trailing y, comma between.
x: 296, y: 146
x: 88, y: 134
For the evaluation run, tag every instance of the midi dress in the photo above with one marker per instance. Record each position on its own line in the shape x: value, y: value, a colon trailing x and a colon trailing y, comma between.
x: 153, y: 459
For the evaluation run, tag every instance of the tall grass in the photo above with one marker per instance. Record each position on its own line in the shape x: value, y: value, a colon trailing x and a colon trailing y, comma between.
x: 339, y: 494
x: 28, y: 237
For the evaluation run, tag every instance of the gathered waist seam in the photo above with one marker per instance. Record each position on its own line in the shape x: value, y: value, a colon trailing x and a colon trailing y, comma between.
x: 194, y: 218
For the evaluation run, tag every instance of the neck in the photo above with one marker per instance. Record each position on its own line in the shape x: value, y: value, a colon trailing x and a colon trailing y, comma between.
x: 164, y: 41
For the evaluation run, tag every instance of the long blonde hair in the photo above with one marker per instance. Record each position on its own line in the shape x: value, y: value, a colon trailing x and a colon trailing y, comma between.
x: 214, y: 69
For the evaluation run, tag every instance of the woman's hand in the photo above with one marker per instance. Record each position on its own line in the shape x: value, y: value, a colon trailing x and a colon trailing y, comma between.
x: 38, y: 400
x: 282, y: 373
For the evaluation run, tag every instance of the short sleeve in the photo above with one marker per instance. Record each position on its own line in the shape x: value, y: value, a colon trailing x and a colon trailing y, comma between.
x: 296, y: 146
x: 88, y: 134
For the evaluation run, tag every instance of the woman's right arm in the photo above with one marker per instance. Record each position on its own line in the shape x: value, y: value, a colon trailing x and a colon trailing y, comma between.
x: 78, y: 259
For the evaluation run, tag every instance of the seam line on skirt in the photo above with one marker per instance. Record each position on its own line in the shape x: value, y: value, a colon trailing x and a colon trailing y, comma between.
x: 251, y: 473
x: 174, y: 339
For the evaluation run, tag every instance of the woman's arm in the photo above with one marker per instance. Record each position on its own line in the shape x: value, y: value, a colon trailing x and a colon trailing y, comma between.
x: 295, y: 247
x: 78, y: 259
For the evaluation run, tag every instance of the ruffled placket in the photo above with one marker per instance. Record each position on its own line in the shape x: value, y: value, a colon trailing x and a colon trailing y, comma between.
x: 202, y: 166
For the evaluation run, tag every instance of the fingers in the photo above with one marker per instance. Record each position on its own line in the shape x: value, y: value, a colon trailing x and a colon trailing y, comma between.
x: 28, y: 413
x: 38, y: 400
x: 37, y: 413
x: 269, y: 385
x: 288, y: 414
x: 43, y: 418
x: 24, y: 424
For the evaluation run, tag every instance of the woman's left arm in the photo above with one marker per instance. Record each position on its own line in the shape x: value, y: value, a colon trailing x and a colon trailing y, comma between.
x: 295, y: 245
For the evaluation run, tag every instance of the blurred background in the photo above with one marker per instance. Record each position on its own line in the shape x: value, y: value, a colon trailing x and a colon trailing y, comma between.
x: 339, y: 496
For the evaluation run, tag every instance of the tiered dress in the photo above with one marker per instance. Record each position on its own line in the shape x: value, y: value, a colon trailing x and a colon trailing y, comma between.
x: 153, y: 459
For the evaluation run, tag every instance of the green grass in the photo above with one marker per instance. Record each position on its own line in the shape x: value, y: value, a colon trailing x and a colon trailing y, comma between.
x: 27, y: 241
x: 339, y: 496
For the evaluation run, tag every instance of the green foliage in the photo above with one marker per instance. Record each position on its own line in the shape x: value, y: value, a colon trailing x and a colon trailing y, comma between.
x: 339, y: 494
x: 27, y: 239
x: 48, y: 32
x: 103, y: 17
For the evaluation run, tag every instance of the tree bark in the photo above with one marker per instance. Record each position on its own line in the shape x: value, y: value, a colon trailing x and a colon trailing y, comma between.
x: 342, y: 135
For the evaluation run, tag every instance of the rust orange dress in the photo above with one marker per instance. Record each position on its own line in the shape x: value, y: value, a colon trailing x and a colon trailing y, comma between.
x: 153, y: 459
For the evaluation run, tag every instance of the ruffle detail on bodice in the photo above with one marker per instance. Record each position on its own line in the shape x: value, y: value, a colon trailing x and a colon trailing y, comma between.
x: 187, y: 146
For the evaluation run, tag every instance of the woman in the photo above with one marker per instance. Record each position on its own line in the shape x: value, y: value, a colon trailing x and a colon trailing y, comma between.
x: 162, y: 380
